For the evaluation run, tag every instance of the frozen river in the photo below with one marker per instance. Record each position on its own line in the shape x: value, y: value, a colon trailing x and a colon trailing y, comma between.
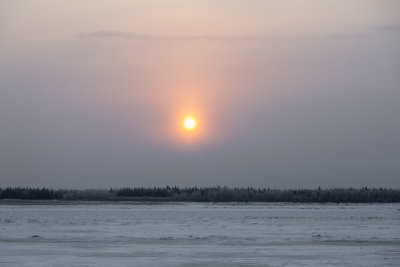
x: 193, y: 234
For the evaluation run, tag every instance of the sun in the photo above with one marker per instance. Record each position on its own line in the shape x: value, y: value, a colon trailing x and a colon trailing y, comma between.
x: 189, y: 123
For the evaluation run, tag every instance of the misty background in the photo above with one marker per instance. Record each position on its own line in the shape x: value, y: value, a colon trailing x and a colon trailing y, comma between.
x: 289, y: 94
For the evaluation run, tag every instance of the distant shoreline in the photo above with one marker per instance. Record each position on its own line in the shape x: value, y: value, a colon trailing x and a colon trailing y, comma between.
x: 27, y: 202
x: 78, y: 202
x: 22, y: 195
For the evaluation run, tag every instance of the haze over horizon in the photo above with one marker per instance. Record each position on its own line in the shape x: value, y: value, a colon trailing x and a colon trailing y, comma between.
x: 285, y: 94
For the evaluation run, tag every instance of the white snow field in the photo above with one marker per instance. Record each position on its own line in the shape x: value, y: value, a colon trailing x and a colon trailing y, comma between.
x: 197, y: 234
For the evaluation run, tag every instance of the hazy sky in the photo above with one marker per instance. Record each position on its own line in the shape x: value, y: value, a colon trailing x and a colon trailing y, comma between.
x: 287, y: 94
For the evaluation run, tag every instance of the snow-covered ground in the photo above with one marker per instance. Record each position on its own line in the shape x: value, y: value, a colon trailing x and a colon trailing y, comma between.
x: 192, y: 234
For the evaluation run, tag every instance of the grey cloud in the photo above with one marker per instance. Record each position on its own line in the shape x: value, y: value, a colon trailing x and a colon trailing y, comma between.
x: 388, y: 28
x: 106, y: 35
x: 150, y: 37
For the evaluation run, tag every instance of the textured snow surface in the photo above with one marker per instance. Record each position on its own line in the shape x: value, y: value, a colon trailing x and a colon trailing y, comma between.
x: 192, y: 234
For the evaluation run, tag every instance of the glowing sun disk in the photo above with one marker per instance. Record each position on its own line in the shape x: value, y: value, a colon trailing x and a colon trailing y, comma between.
x: 189, y: 123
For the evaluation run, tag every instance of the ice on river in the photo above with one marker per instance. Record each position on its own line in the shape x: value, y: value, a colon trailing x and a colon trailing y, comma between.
x: 193, y: 234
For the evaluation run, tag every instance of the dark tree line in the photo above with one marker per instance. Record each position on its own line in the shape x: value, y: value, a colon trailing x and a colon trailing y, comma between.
x: 209, y: 194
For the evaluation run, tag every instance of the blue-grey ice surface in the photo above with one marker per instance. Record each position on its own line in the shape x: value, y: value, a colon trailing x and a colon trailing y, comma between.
x: 193, y: 234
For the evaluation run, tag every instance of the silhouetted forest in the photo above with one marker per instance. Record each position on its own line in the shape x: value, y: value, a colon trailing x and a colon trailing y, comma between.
x: 209, y: 194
